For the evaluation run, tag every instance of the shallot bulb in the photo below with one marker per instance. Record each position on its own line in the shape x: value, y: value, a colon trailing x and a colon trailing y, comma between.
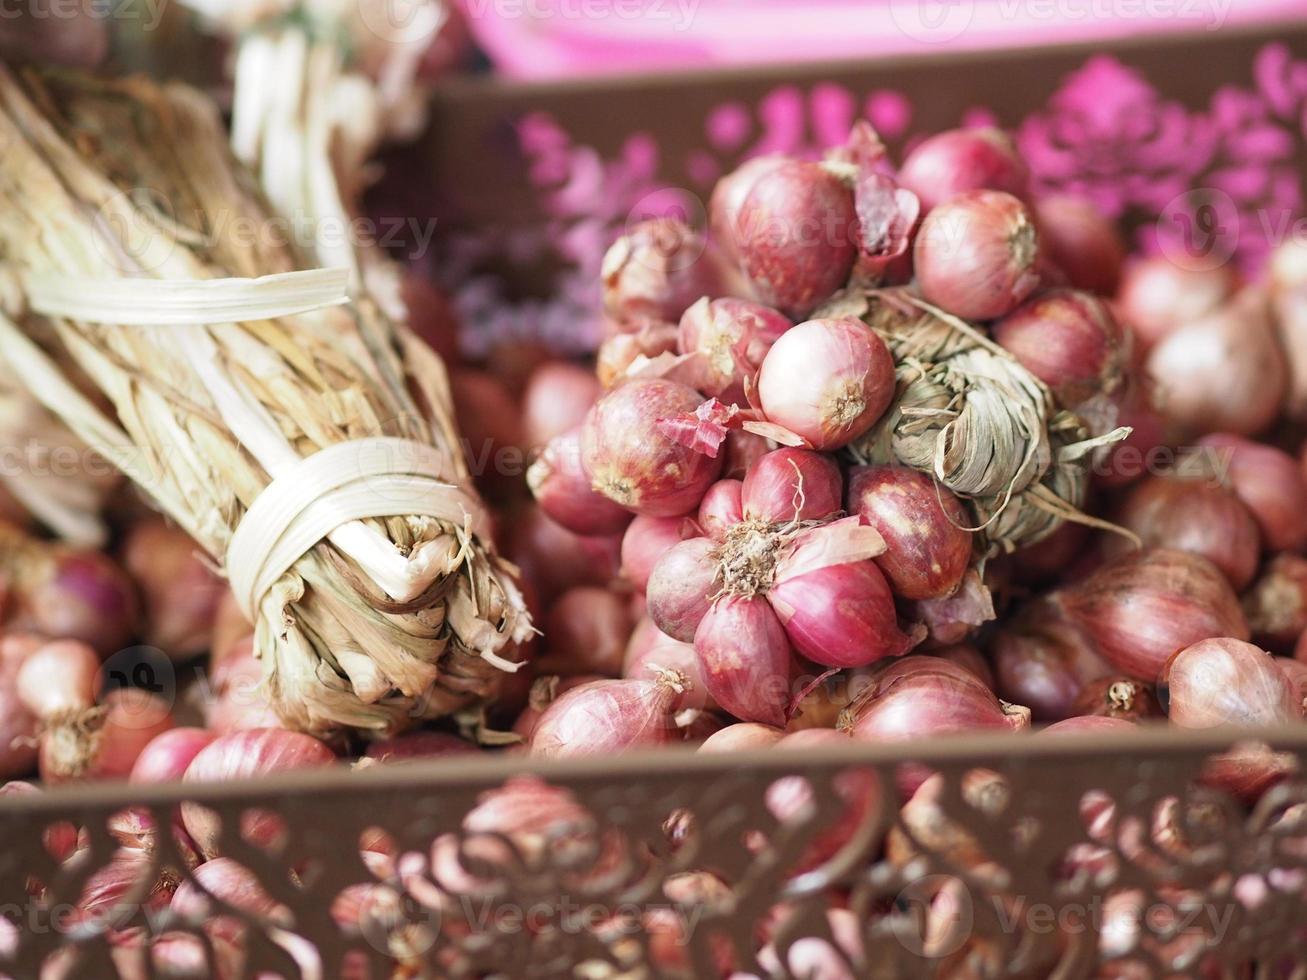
x: 179, y: 591
x: 60, y: 839
x: 828, y: 381
x: 928, y: 546
x: 558, y: 395
x: 721, y: 509
x: 1195, y: 515
x: 1090, y: 724
x: 239, y: 702
x: 168, y: 755
x: 18, y: 724
x: 656, y: 270
x: 1043, y: 661
x: 682, y: 587
x: 740, y: 450
x: 943, y: 166
x: 796, y: 236
x: 413, y: 746
x: 610, y: 717
x: 652, y: 650
x: 1222, y: 681
x: 587, y: 629
x: 545, y: 690
x: 562, y: 488
x: 627, y: 355
x: 1137, y: 454
x: 245, y: 755
x: 1289, y: 308
x: 968, y: 658
x: 728, y: 198
x: 1271, y: 485
x: 792, y: 485
x: 745, y: 657
x: 1223, y: 372
x: 629, y: 459
x: 647, y: 539
x: 743, y: 736
x: 1078, y: 239
x: 1139, y: 609
x: 1070, y: 341
x: 976, y: 255
x: 1157, y: 296
x: 1276, y: 605
x: 1117, y: 697
x: 490, y: 423
x: 1296, y: 671
x: 730, y: 338
x: 238, y: 888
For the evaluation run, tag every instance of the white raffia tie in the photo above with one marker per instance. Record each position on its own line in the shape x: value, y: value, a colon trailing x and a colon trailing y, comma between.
x: 350, y: 481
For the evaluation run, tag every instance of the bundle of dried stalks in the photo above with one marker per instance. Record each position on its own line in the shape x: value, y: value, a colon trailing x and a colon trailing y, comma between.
x: 236, y: 377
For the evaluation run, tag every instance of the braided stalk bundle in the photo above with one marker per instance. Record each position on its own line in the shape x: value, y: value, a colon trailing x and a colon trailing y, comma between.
x: 971, y: 416
x: 124, y: 195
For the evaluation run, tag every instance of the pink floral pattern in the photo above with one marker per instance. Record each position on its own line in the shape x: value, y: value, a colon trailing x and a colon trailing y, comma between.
x: 1202, y: 185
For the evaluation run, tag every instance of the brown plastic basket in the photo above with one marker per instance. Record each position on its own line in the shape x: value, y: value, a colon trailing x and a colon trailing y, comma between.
x: 1087, y: 856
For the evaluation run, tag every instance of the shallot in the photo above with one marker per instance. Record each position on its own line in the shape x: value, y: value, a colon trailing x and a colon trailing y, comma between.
x: 730, y: 338
x: 646, y: 540
x: 179, y: 591
x: 1269, y: 482
x: 791, y: 485
x: 721, y: 509
x: 1157, y: 295
x: 657, y: 269
x: 1223, y: 681
x: 587, y: 629
x: 557, y: 397
x: 611, y: 716
x: 562, y: 488
x: 1079, y: 240
x: 745, y: 657
x: 1276, y: 605
x: 947, y: 164
x: 728, y: 199
x: 1043, y: 661
x: 682, y: 586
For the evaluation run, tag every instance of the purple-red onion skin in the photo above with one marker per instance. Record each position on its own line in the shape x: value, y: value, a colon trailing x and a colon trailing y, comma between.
x: 740, y: 451
x: 959, y: 160
x: 745, y: 657
x: 976, y: 255
x: 1070, y: 341
x: 167, y: 756
x: 1157, y: 295
x: 607, y: 718
x: 789, y: 485
x: 796, y: 236
x: 968, y: 658
x: 1090, y: 725
x: 928, y: 546
x: 1139, y: 609
x: 827, y: 380
x: 1043, y: 662
x: 730, y: 337
x: 1136, y: 455
x: 1223, y: 681
x: 743, y: 736
x: 721, y: 509
x: 1271, y: 485
x: 840, y: 616
x: 682, y: 586
x: 630, y: 461
x: 179, y: 591
x: 662, y: 652
x: 728, y: 198
x: 418, y: 745
x: 586, y: 630
x: 1082, y: 242
x: 562, y: 488
x: 79, y: 595
x: 645, y: 541
x: 1276, y: 605
x: 656, y: 270
x: 558, y: 395
x: 1195, y: 515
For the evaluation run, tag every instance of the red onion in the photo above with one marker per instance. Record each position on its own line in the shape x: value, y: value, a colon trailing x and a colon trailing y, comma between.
x: 1081, y: 241
x: 108, y: 900
x: 975, y: 255
x: 920, y: 696
x: 415, y: 746
x: 1271, y: 485
x: 1296, y: 671
x: 1222, y: 681
x: 627, y: 355
x: 836, y: 612
x: 553, y: 559
x: 657, y: 269
x: 1137, y: 454
x: 816, y: 957
x: 933, y: 827
x: 609, y: 717
x: 1276, y: 605
x: 587, y: 629
x: 1121, y: 698
x: 1139, y: 609
x: 957, y: 617
x: 1070, y: 341
x: 1090, y: 724
x: 238, y: 888
x: 240, y: 703
x: 796, y: 235
x: 557, y: 397
x: 17, y: 722
x: 968, y: 658
x: 1048, y: 559
x: 943, y: 166
x: 491, y: 426
x: 562, y: 488
x: 728, y: 198
x: 167, y: 756
x: 682, y: 586
x: 1194, y: 515
x: 658, y: 651
x: 721, y: 509
x: 827, y: 381
x: 743, y: 736
x: 245, y: 755
x: 66, y: 593
x: 730, y: 338
x: 60, y: 839
x: 431, y: 314
x: 745, y: 657
x: 791, y: 798
x: 740, y: 451
x: 545, y: 690
x: 179, y: 591
x: 928, y: 546
x: 1223, y: 372
x: 1043, y: 661
x: 792, y: 485
x: 1289, y: 312
x: 630, y: 460
x: 1157, y: 296
x: 646, y: 540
